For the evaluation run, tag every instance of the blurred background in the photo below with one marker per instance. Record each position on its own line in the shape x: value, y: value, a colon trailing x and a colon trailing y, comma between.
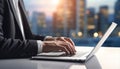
x: 85, y: 21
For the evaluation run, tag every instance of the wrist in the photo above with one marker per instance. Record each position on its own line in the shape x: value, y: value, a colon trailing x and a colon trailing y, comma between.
x: 44, y: 46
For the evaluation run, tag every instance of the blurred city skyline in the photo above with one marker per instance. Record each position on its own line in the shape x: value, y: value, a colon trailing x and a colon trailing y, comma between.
x: 78, y: 19
x: 49, y: 6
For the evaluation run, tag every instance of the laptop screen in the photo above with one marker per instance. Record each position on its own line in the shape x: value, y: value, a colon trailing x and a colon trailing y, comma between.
x: 105, y: 36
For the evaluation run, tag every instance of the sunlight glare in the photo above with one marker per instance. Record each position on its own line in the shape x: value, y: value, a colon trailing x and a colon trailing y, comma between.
x: 55, y: 2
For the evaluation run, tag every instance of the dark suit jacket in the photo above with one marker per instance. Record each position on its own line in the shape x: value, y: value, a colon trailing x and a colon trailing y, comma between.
x: 12, y: 44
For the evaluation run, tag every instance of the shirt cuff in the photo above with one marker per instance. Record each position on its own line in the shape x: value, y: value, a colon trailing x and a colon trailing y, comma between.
x: 40, y: 46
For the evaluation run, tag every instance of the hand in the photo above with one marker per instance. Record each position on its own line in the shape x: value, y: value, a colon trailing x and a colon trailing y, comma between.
x: 56, y: 46
x: 65, y: 39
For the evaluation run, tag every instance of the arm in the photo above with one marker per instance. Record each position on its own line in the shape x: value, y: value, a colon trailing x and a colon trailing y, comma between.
x: 12, y: 48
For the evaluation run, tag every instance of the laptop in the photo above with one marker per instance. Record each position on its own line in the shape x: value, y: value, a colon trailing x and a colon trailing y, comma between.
x: 79, y: 56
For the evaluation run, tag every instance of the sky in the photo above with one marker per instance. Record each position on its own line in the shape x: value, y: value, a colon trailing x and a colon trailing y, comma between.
x: 49, y: 6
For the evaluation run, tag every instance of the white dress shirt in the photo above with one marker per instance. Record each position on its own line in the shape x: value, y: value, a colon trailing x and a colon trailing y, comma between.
x: 39, y: 42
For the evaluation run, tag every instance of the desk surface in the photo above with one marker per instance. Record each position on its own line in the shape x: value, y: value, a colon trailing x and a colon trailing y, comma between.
x: 105, y: 58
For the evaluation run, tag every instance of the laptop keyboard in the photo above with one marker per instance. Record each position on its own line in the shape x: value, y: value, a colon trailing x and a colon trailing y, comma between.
x: 52, y: 54
x: 61, y: 54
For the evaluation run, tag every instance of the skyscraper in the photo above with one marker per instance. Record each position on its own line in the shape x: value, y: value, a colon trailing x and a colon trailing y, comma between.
x: 81, y: 24
x: 117, y: 17
x: 90, y: 21
x: 102, y: 22
x: 38, y: 22
x: 117, y: 12
x: 64, y: 17
x: 69, y: 16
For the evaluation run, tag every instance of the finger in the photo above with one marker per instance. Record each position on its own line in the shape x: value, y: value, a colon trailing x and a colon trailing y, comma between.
x: 71, y: 42
x: 67, y: 40
x: 72, y: 47
x: 65, y: 50
x: 61, y: 47
x: 72, y: 52
x: 67, y: 45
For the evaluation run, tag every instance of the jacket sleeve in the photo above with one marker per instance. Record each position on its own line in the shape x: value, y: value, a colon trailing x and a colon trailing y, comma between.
x: 14, y: 48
